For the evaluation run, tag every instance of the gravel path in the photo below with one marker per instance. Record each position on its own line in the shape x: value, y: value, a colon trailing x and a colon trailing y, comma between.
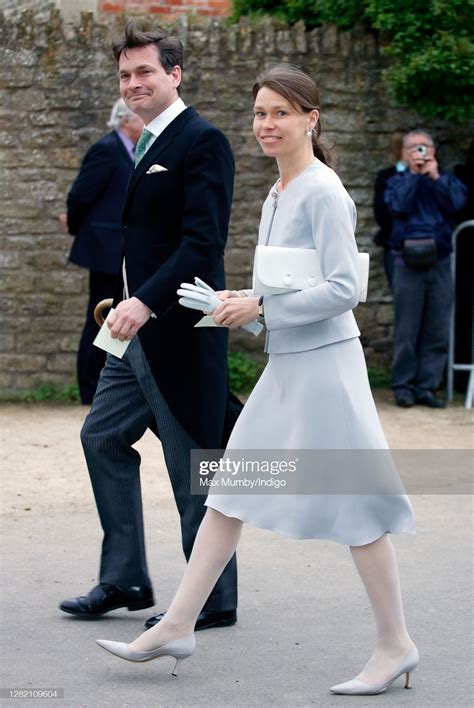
x: 304, y: 621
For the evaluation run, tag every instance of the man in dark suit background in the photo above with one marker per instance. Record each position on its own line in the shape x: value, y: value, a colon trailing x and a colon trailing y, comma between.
x: 94, y: 207
x: 172, y: 377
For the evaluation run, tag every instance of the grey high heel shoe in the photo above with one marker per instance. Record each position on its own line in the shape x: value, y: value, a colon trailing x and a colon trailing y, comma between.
x: 359, y: 688
x: 179, y: 649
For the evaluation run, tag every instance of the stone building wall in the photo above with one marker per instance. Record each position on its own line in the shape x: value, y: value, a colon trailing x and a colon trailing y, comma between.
x: 165, y: 10
x: 58, y: 83
x: 12, y: 8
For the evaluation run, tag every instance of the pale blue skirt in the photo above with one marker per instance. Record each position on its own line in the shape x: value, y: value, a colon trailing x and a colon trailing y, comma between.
x: 315, y: 400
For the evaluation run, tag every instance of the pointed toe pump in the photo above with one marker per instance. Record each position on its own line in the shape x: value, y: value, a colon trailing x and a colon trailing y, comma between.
x: 179, y: 649
x: 360, y: 688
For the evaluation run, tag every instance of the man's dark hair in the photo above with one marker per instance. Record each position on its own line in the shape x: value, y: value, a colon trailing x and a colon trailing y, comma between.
x: 169, y: 48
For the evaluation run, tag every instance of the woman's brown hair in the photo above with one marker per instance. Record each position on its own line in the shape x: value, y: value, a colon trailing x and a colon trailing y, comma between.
x: 303, y: 94
x: 396, y: 146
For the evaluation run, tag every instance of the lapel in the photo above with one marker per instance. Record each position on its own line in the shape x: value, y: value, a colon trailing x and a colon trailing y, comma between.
x: 161, y: 142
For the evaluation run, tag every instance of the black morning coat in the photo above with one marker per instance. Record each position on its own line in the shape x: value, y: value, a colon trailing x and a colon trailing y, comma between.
x: 175, y: 225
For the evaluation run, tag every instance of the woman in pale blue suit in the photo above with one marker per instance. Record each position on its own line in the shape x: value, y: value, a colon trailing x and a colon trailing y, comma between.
x: 314, y: 394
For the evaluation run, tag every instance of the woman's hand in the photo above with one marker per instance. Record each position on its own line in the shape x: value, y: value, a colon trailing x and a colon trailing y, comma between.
x: 226, y: 294
x: 236, y: 311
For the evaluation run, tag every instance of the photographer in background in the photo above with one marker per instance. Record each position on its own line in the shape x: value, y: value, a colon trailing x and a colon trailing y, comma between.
x: 423, y: 202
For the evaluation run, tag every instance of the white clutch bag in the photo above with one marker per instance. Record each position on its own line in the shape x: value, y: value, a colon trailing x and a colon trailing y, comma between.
x: 278, y: 270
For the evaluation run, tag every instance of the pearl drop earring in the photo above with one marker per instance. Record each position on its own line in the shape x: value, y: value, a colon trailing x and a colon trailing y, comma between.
x: 309, y: 132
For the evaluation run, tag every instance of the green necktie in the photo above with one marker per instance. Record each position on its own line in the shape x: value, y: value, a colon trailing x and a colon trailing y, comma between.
x: 140, y: 148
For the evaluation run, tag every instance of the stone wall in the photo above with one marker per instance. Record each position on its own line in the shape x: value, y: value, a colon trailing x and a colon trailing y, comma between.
x: 165, y: 10
x: 12, y: 8
x: 58, y: 83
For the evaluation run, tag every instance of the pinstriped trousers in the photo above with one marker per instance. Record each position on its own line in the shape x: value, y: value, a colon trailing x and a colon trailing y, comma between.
x: 127, y: 402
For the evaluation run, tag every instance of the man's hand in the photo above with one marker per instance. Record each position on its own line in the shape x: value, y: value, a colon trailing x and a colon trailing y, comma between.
x: 235, y: 311
x: 127, y: 318
x: 415, y: 161
x: 63, y: 220
x: 423, y: 165
x: 430, y: 168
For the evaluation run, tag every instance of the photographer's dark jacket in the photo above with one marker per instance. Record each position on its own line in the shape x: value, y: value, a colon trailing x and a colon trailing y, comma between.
x: 424, y: 208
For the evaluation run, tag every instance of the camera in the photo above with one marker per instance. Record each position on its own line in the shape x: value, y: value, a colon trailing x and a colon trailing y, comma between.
x: 422, y: 150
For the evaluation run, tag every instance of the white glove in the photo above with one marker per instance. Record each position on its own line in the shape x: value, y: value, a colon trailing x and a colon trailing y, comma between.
x: 198, y: 298
x: 202, y: 297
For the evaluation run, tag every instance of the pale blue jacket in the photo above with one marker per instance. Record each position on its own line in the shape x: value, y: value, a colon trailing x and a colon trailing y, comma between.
x: 313, y: 211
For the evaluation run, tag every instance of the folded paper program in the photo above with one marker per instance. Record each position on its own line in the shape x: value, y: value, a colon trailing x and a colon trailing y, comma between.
x: 105, y: 341
x: 202, y: 297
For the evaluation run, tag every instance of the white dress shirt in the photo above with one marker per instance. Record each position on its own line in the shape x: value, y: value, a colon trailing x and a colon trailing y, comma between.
x: 162, y: 121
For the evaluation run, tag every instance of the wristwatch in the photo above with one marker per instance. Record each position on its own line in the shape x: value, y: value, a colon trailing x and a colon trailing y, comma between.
x: 261, y: 314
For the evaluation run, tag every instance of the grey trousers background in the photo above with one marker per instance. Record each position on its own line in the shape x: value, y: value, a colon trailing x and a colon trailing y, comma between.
x: 126, y: 403
x: 422, y: 301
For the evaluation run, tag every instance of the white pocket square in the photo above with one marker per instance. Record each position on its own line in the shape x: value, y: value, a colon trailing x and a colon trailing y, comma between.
x: 156, y: 168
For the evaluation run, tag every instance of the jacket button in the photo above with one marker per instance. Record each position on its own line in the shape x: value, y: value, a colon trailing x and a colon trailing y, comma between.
x: 125, y: 226
x: 288, y: 280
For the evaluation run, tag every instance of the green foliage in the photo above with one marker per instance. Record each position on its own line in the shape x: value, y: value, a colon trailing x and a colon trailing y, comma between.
x: 44, y: 392
x: 344, y: 13
x: 312, y: 12
x: 431, y: 43
x: 258, y: 8
x: 378, y: 377
x: 243, y: 372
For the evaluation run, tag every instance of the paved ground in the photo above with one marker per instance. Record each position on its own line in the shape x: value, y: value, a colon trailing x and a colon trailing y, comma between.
x: 304, y: 621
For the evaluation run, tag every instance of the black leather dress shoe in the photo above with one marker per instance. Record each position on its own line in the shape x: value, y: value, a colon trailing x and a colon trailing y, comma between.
x: 104, y: 598
x: 206, y: 620
x: 404, y: 399
x: 427, y: 398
